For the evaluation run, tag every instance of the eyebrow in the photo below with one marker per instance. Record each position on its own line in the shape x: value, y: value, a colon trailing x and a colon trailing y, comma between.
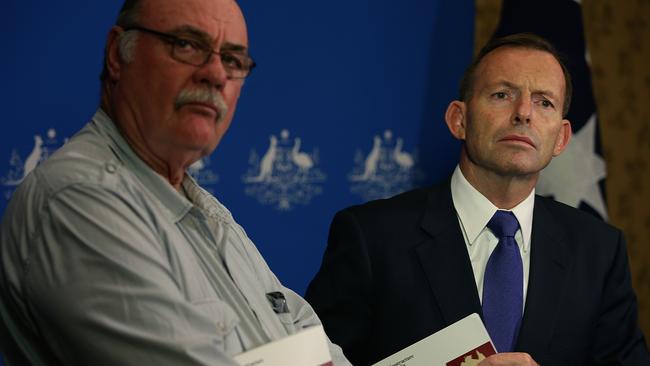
x: 510, y: 85
x: 205, y: 37
x: 234, y: 47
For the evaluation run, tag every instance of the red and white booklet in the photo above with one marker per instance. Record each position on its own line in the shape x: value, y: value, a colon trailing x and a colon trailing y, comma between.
x: 464, y: 343
x: 305, y: 348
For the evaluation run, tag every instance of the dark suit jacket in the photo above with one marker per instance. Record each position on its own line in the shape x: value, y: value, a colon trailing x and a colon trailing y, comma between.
x: 397, y: 270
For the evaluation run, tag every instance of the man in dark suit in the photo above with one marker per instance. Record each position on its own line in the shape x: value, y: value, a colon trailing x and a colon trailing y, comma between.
x: 398, y: 270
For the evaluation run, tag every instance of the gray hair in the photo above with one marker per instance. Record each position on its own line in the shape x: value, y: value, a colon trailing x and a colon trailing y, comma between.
x: 128, y: 17
x: 126, y: 45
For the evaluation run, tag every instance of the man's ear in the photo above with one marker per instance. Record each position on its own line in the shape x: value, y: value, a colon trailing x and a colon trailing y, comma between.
x: 113, y: 58
x: 456, y: 119
x: 563, y: 137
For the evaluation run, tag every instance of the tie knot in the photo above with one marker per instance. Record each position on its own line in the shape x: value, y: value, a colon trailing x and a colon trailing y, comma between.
x: 503, y: 223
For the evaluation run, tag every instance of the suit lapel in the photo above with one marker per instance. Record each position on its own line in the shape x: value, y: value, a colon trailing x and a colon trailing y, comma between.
x: 547, y: 280
x: 445, y: 260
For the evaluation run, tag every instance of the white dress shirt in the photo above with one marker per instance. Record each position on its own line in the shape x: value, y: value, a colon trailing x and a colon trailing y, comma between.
x: 474, y: 212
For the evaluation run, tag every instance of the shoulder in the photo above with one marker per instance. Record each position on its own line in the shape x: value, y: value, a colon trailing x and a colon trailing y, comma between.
x: 85, y: 167
x: 403, y: 210
x: 579, y: 230
x: 90, y: 160
x: 572, y: 219
x: 405, y: 203
x: 86, y: 158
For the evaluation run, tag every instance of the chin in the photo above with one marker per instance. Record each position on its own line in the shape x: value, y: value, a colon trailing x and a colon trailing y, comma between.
x: 201, y: 120
x: 198, y: 126
x: 515, y: 169
x: 196, y: 139
x: 201, y: 132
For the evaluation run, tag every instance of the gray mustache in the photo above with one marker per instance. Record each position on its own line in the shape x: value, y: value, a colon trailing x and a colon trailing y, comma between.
x: 207, y: 96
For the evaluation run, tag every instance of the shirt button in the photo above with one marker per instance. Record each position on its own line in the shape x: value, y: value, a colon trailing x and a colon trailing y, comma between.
x: 111, y: 168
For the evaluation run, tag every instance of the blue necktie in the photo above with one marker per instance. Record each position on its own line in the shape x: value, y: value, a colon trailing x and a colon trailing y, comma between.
x: 503, y: 284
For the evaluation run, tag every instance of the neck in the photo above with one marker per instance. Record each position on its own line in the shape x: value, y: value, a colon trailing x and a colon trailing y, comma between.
x: 504, y: 190
x: 124, y: 120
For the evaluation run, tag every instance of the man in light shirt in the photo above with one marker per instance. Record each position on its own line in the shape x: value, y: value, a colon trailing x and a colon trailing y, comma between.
x: 111, y: 254
x: 397, y: 270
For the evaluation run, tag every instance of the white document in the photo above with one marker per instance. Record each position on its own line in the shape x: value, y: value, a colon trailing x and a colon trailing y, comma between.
x: 465, y: 343
x: 305, y: 348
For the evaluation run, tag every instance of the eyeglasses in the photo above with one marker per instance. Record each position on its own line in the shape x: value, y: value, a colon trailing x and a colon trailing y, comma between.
x: 238, y: 64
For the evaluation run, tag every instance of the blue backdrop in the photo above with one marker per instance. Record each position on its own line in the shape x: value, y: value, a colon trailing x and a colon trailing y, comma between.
x: 345, y: 106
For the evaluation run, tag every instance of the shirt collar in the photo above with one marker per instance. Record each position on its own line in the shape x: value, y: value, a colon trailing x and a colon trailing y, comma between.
x: 475, y: 210
x: 205, y: 201
x: 177, y: 205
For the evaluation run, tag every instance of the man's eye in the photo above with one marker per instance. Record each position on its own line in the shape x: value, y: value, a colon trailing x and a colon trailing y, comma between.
x: 542, y: 101
x: 232, y: 61
x: 500, y: 95
x: 185, y: 44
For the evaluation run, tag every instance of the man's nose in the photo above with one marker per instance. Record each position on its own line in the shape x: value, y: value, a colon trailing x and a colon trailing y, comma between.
x: 523, y: 110
x: 212, y: 72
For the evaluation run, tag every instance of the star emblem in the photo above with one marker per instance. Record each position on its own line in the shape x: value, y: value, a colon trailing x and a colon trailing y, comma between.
x: 573, y: 176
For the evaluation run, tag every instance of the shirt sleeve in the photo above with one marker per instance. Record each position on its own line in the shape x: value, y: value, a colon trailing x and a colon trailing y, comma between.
x: 100, y: 290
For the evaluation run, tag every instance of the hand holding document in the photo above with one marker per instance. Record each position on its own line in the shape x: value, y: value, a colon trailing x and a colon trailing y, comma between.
x: 306, y: 348
x: 463, y: 343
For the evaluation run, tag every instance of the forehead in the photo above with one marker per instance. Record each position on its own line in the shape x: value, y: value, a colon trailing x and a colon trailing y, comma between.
x: 521, y: 66
x: 218, y: 18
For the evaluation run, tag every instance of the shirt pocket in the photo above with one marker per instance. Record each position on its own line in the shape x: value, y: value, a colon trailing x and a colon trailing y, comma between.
x: 225, y: 320
x: 284, y: 313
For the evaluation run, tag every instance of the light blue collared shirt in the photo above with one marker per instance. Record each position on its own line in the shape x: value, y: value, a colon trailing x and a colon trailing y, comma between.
x: 103, y: 262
